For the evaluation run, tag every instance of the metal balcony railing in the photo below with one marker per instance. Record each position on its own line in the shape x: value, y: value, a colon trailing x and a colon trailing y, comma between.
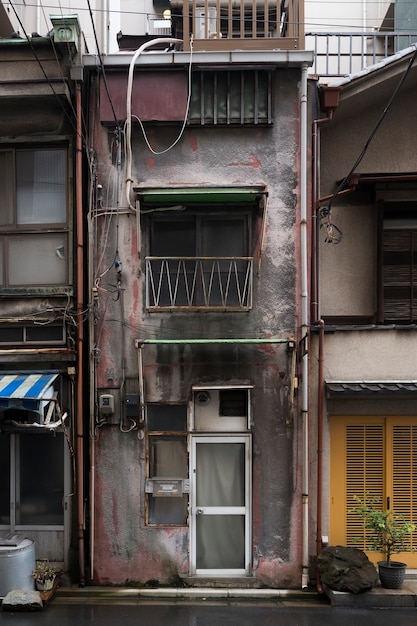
x: 199, y: 283
x: 217, y: 25
x: 339, y: 54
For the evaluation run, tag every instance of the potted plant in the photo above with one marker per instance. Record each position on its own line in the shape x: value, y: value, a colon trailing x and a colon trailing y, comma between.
x: 44, y: 575
x: 390, y: 534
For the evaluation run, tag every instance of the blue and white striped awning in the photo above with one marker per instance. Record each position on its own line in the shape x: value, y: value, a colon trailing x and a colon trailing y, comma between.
x: 25, y: 390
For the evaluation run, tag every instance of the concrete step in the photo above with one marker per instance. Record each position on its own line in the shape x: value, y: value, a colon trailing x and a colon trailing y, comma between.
x: 75, y: 594
x: 406, y: 597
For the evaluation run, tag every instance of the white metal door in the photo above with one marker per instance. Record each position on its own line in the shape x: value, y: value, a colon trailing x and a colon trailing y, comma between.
x: 220, y: 520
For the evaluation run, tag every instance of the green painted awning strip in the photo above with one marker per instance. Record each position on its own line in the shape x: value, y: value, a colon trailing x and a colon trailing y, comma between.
x: 201, y: 195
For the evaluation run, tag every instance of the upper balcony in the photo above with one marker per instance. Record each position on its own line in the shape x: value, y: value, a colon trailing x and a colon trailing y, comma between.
x: 226, y: 25
x: 342, y: 53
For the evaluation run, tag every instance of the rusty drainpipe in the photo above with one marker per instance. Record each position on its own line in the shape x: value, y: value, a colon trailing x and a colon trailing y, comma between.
x: 80, y: 336
x: 329, y: 97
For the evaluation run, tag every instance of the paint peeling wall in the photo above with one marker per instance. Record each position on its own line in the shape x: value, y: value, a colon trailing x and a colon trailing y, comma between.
x: 125, y: 548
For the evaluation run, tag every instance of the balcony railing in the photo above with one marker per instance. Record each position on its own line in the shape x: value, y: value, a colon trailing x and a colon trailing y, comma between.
x: 339, y: 54
x: 239, y: 24
x: 199, y: 283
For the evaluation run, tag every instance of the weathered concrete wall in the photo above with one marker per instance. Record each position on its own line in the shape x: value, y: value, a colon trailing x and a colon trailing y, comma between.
x: 348, y: 270
x: 124, y: 548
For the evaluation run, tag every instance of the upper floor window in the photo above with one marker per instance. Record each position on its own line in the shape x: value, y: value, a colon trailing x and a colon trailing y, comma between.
x: 398, y: 267
x: 200, y: 254
x: 199, y: 261
x: 34, y: 217
x: 240, y: 97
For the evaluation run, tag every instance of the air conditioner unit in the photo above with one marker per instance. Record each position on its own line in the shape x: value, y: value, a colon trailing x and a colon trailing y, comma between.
x: 206, y: 23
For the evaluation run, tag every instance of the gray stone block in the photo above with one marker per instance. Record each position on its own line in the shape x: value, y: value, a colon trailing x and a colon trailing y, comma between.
x: 22, y: 600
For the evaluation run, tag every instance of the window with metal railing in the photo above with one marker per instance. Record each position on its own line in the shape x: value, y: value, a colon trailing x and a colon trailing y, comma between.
x: 199, y: 261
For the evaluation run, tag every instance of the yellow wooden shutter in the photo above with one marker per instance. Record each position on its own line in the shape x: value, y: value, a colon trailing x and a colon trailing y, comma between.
x: 374, y: 455
x: 403, y: 455
x: 357, y: 468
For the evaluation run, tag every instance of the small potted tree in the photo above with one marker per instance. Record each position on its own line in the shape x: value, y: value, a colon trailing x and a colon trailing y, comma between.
x: 44, y: 575
x: 390, y: 534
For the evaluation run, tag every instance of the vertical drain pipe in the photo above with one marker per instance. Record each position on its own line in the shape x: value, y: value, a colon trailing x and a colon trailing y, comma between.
x: 304, y: 322
x: 329, y: 100
x: 80, y: 337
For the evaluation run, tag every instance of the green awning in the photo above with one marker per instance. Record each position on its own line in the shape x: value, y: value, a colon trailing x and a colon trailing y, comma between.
x: 237, y: 194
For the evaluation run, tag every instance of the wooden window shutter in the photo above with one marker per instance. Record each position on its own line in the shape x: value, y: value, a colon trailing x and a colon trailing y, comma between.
x: 404, y: 472
x: 400, y: 275
x: 364, y: 473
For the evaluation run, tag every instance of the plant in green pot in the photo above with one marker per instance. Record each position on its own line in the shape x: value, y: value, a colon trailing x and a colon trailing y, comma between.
x: 389, y: 534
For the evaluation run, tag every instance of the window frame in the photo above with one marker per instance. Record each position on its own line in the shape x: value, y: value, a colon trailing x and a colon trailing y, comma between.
x: 199, y: 219
x: 10, y: 233
x: 164, y: 434
x: 402, y: 208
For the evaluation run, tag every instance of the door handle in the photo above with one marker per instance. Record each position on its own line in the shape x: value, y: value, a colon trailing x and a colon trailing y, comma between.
x: 199, y: 511
x: 388, y: 503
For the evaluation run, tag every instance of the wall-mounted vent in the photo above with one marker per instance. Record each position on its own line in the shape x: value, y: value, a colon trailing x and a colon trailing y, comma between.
x: 202, y: 398
x: 222, y: 408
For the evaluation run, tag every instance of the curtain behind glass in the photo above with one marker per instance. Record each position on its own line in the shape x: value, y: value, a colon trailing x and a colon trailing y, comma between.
x: 41, y: 187
x: 220, y: 482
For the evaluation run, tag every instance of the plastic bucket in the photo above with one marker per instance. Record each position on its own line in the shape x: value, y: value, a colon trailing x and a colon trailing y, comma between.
x: 16, y: 566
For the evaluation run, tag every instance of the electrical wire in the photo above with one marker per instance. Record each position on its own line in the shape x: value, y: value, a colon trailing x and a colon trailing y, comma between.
x: 128, y: 123
x: 100, y: 58
x: 375, y: 129
x: 174, y: 143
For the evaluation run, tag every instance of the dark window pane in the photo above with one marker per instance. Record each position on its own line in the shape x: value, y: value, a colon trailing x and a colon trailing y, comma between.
x: 223, y: 238
x: 167, y: 417
x: 173, y: 238
x: 44, y: 333
x: 11, y: 335
x: 4, y: 479
x: 40, y: 488
x: 234, y: 402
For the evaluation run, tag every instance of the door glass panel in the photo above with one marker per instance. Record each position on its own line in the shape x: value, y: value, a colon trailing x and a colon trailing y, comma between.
x: 220, y: 541
x: 4, y: 479
x: 40, y: 482
x: 220, y: 474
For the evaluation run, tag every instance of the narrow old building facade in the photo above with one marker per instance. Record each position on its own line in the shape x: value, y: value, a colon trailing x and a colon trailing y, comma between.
x: 199, y: 469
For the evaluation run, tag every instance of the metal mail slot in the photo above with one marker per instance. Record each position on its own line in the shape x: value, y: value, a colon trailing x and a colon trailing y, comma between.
x: 167, y: 487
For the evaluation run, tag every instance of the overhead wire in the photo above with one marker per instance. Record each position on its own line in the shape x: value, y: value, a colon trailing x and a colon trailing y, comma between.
x: 375, y: 129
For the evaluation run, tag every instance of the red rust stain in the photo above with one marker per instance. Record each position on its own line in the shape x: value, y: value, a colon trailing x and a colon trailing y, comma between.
x: 114, y: 514
x: 150, y: 161
x: 253, y: 162
x: 193, y: 142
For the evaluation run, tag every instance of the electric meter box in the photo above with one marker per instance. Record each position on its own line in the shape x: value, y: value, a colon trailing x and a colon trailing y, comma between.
x: 132, y: 407
x: 106, y: 404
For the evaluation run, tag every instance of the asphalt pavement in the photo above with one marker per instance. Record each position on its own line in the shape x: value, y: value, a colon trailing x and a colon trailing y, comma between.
x: 148, y: 613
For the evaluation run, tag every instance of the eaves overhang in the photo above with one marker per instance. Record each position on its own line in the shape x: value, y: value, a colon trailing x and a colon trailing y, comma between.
x: 201, y: 194
x: 335, y: 389
x: 274, y: 58
x: 381, y: 76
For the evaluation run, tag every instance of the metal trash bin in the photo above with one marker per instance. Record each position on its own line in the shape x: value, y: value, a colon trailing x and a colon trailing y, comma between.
x: 17, y: 563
